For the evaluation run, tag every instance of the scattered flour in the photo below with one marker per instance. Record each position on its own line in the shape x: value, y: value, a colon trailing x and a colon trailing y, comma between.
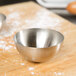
x: 59, y: 73
x: 30, y: 68
x: 13, y: 15
x: 22, y: 64
x: 8, y: 47
x: 41, y: 19
x: 32, y: 73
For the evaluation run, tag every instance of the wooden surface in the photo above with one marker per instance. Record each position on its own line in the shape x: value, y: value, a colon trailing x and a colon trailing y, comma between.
x: 28, y: 15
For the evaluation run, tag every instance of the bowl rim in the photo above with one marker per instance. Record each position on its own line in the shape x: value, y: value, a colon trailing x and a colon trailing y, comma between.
x: 16, y: 42
x: 4, y: 17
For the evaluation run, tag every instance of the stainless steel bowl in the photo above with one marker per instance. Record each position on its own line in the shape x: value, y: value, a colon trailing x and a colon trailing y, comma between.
x: 38, y: 45
x: 2, y: 20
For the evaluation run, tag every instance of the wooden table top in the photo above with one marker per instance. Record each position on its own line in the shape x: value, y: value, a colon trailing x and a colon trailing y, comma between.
x: 30, y: 15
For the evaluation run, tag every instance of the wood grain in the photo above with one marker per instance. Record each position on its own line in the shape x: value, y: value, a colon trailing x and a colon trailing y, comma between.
x: 30, y: 15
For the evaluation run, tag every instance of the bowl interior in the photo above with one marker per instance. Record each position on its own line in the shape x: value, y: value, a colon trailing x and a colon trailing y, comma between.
x: 38, y: 38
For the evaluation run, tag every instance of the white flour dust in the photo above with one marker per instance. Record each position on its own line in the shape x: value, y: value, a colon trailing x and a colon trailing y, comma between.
x: 22, y: 64
x: 14, y: 15
x: 30, y: 68
x: 32, y: 73
x: 59, y: 73
x: 41, y: 19
x: 4, y: 45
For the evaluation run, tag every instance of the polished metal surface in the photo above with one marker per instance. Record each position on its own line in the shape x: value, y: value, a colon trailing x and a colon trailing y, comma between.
x: 37, y: 44
x: 2, y: 20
